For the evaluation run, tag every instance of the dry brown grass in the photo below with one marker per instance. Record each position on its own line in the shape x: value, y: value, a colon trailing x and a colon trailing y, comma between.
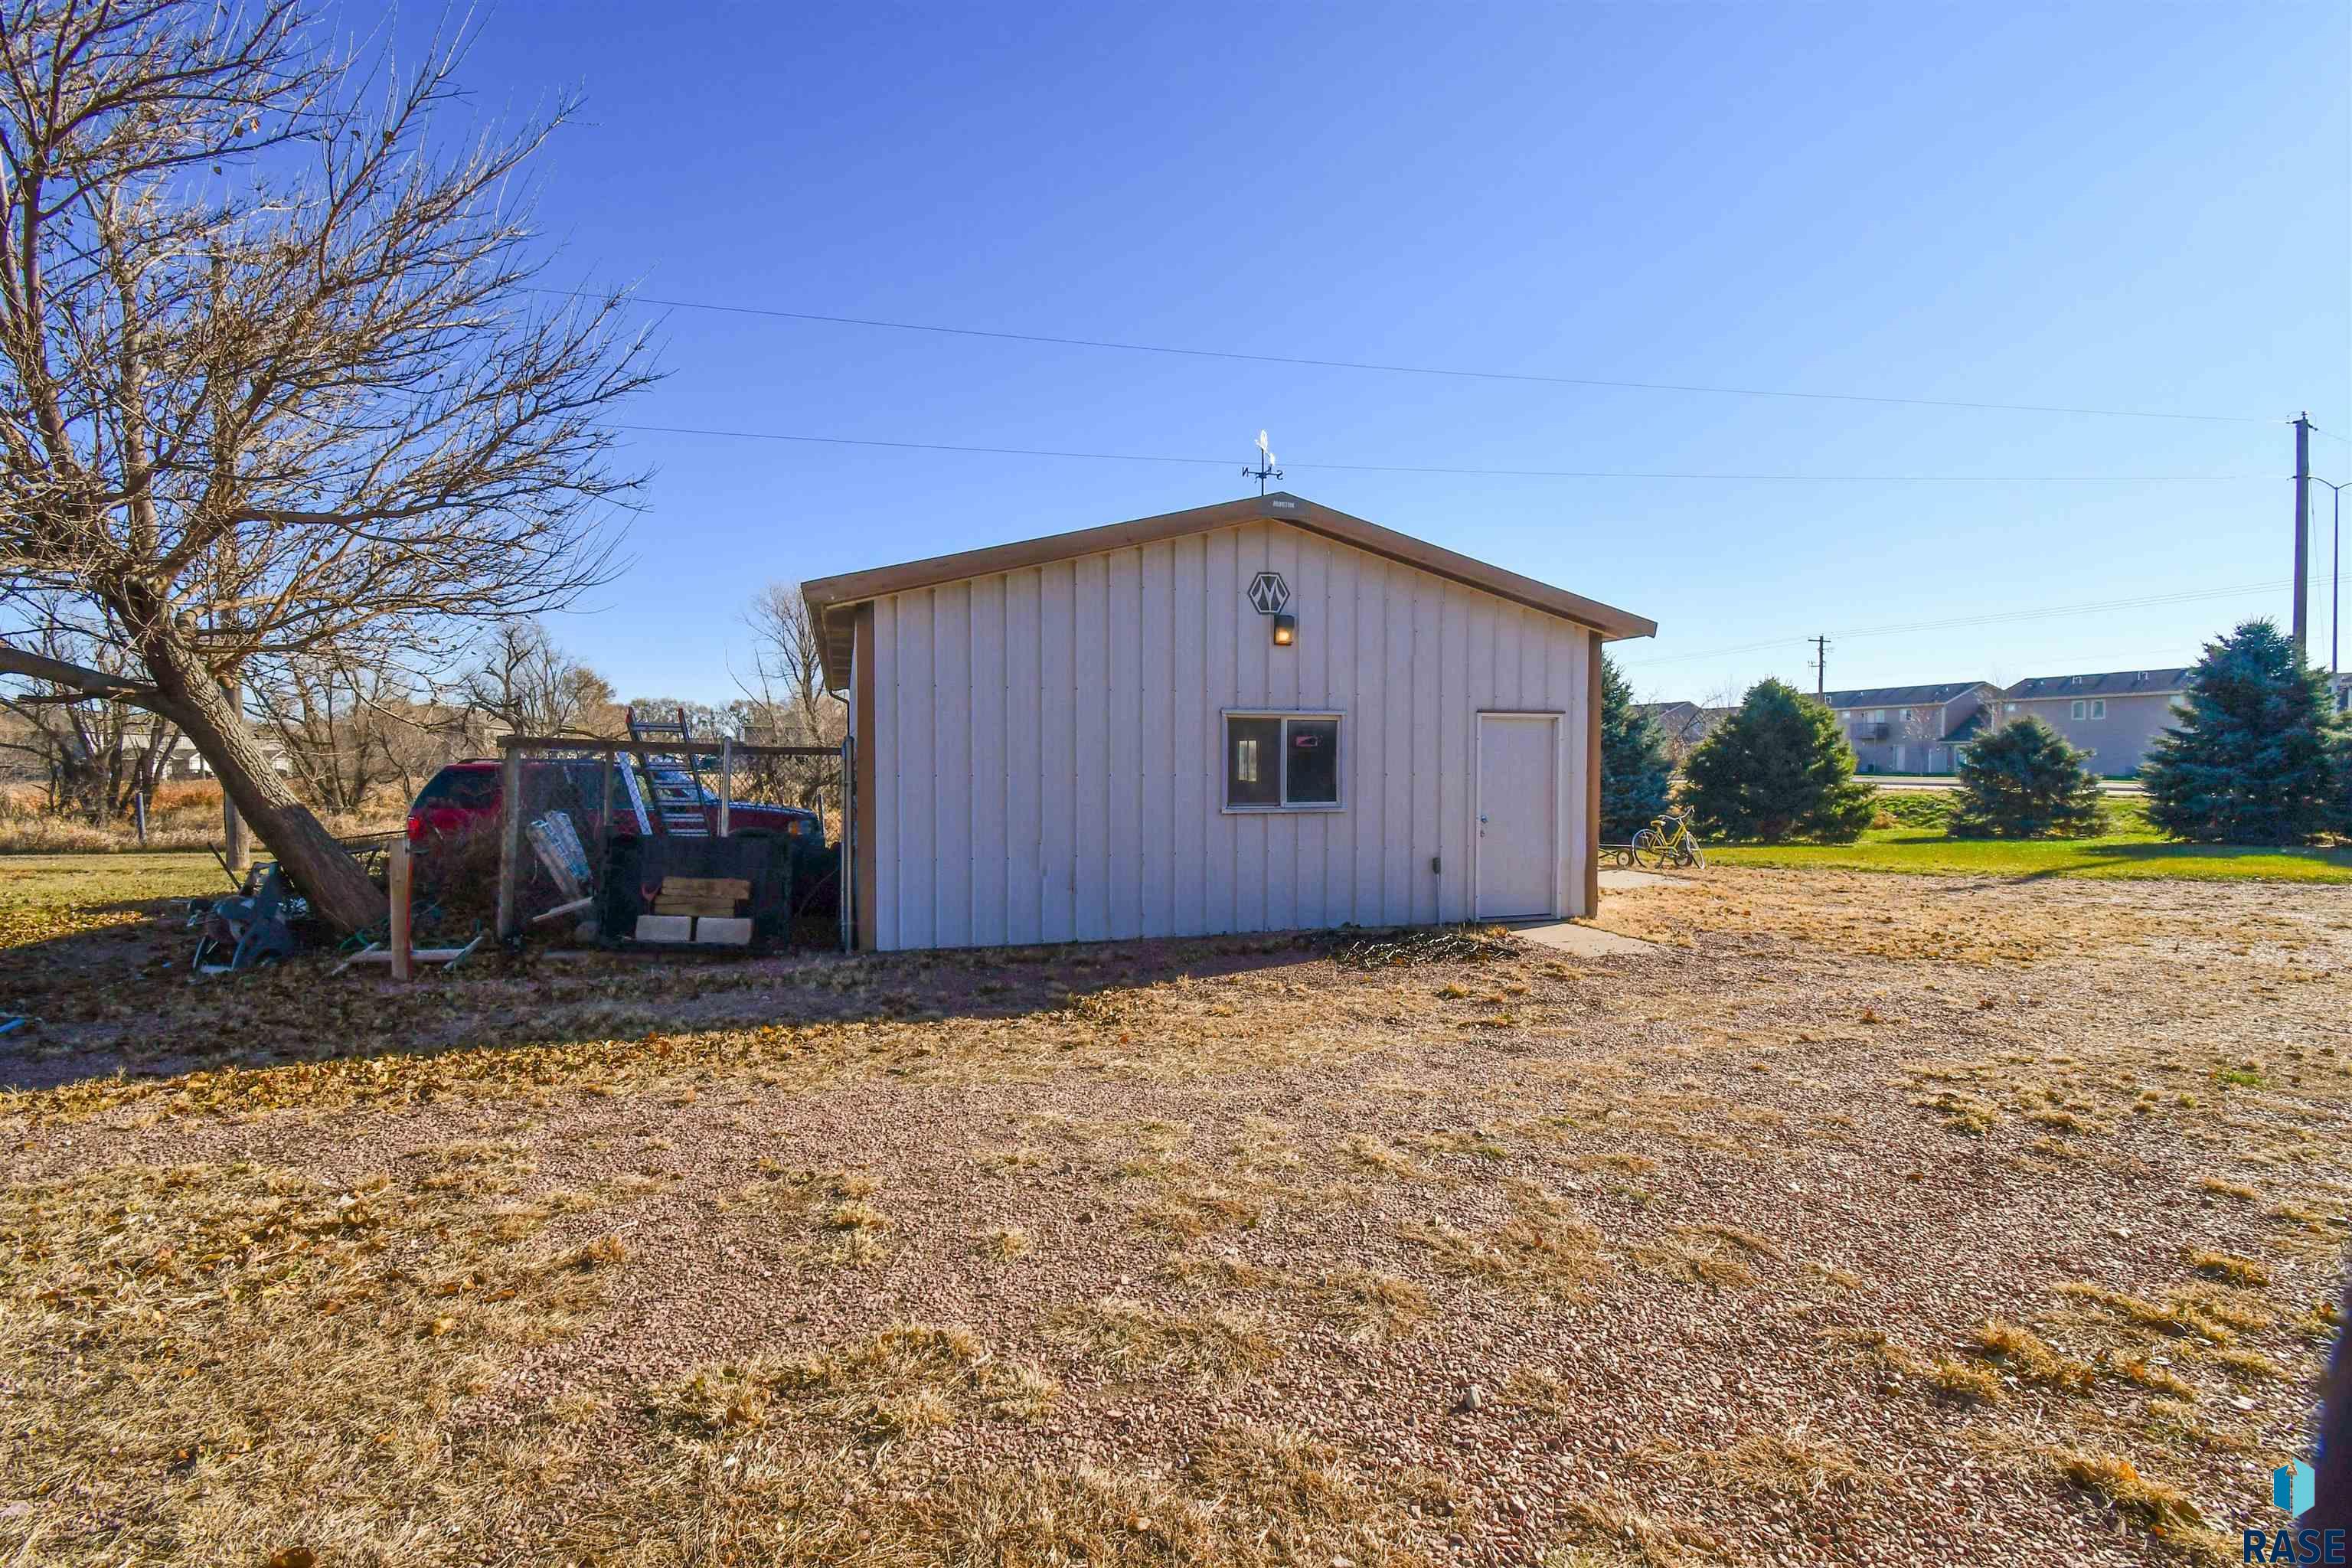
x: 217, y: 1355
x: 1364, y: 1304
x: 1374, y: 1155
x: 1615, y: 1527
x: 1697, y: 1257
x: 1132, y: 1338
x: 2180, y: 1315
x: 821, y: 1435
x: 1547, y: 1249
x: 2120, y: 1483
x: 1793, y: 1463
x: 2032, y: 1358
x: 2226, y: 1267
x: 905, y: 1379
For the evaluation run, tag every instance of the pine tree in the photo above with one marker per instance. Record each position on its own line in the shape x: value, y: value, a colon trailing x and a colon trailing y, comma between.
x: 2253, y: 754
x: 2023, y: 781
x: 1778, y: 769
x: 1635, y: 775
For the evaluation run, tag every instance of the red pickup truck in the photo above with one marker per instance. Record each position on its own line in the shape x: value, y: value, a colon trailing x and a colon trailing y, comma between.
x: 464, y: 797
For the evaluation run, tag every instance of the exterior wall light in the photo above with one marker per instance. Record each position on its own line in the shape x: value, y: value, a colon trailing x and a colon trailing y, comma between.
x: 1285, y: 630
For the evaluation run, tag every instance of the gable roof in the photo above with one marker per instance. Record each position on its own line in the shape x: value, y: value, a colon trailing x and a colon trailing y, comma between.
x: 2122, y: 683
x: 832, y: 600
x: 1902, y: 696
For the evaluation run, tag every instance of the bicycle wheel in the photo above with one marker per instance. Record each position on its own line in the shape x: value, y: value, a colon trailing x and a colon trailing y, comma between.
x: 1645, y: 846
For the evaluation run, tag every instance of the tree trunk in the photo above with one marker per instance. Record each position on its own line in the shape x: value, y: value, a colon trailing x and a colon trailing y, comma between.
x: 237, y: 849
x: 339, y: 890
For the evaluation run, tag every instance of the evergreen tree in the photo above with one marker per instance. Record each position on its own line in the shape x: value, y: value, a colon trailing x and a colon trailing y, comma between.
x: 1635, y: 775
x: 2253, y: 754
x: 1778, y: 769
x: 2023, y: 781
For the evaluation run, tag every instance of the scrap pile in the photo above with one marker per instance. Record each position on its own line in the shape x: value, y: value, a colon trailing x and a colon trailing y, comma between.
x: 708, y: 910
x: 1445, y: 945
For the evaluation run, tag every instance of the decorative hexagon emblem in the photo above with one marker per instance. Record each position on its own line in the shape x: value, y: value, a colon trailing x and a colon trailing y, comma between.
x: 1269, y: 593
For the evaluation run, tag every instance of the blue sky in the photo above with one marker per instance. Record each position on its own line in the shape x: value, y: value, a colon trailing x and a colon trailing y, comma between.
x: 2128, y: 206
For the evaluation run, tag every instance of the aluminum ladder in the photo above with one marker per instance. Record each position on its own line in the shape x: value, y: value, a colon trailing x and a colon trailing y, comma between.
x: 673, y: 781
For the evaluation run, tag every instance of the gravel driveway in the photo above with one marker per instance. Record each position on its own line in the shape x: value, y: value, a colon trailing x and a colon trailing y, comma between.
x: 1867, y: 1220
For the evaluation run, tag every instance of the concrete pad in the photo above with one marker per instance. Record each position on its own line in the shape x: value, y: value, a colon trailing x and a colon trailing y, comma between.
x: 1583, y: 941
x: 1620, y: 880
x: 722, y: 930
x: 665, y: 928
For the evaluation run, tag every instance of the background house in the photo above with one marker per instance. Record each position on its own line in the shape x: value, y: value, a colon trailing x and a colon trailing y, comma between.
x: 1262, y: 715
x: 2113, y: 719
x: 1683, y: 725
x: 1911, y: 729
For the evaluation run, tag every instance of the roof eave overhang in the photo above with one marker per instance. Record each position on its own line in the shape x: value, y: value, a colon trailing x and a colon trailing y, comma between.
x: 833, y: 601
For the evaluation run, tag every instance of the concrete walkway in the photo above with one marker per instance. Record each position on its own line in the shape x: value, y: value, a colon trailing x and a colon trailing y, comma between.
x: 1583, y: 941
x: 1591, y: 942
x: 1626, y: 881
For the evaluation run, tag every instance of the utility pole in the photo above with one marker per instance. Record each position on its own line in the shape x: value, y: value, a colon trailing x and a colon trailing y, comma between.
x: 2302, y: 527
x: 2335, y: 584
x: 1821, y: 666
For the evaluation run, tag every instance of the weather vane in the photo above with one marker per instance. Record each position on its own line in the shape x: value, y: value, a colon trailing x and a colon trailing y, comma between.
x: 1265, y: 469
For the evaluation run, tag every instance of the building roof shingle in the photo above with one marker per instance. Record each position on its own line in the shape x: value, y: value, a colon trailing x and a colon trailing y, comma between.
x: 1900, y: 696
x: 2122, y: 683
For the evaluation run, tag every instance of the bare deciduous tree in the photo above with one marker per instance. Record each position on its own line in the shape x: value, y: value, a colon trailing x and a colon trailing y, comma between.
x: 787, y: 705
x: 522, y: 683
x: 339, y: 720
x: 272, y: 376
x: 94, y: 752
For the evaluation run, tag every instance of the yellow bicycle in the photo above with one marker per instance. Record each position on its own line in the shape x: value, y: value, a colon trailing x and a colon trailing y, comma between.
x: 1669, y: 841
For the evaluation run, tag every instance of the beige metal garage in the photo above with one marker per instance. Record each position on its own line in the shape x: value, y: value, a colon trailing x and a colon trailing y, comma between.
x: 1260, y: 715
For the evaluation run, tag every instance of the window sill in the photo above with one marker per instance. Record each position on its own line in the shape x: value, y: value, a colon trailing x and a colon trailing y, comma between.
x: 1279, y: 810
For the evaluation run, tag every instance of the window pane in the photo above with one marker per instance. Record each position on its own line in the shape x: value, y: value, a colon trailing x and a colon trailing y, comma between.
x: 1314, y: 762
x: 1253, y: 747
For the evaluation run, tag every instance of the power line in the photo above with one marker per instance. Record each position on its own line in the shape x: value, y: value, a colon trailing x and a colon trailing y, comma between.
x: 1488, y: 473
x: 1996, y: 618
x: 1450, y: 372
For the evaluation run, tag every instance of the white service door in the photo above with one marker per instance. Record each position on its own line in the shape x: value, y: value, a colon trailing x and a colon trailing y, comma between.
x: 1519, y: 815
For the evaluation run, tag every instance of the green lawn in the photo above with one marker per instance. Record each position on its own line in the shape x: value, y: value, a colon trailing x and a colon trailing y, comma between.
x: 1926, y: 850
x: 118, y: 878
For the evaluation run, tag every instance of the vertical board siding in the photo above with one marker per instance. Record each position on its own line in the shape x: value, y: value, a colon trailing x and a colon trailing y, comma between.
x: 883, y: 896
x: 1123, y: 772
x: 1453, y: 739
x: 1056, y: 778
x: 1338, y: 840
x: 1025, y: 759
x: 915, y: 771
x: 1090, y: 764
x: 1155, y: 700
x: 1052, y: 743
x: 952, y: 762
x: 1190, y: 730
x: 989, y: 824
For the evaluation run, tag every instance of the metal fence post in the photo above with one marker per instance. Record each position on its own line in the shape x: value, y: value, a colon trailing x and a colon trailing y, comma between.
x: 509, y: 837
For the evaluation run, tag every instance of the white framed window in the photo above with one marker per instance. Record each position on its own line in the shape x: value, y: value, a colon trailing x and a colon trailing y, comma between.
x: 1906, y: 715
x: 2078, y: 709
x: 1878, y: 715
x: 2099, y: 707
x: 1278, y: 761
